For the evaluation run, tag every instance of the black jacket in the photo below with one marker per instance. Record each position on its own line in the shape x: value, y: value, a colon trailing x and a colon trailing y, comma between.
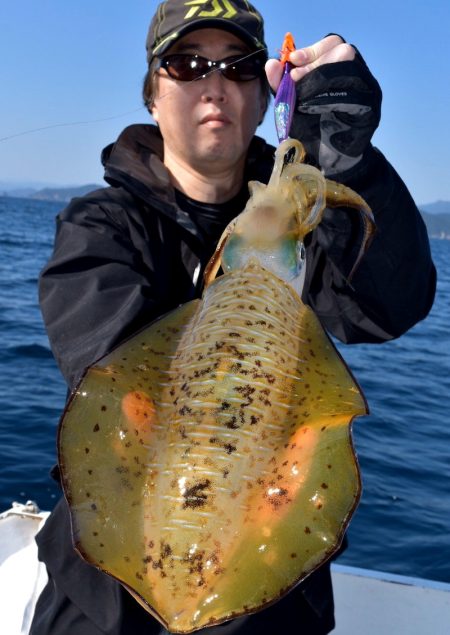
x: 126, y: 254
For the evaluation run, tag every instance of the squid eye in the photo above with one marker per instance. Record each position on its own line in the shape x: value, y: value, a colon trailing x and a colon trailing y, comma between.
x: 232, y: 254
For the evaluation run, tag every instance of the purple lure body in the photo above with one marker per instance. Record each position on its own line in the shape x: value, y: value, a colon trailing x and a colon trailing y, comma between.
x: 285, y: 103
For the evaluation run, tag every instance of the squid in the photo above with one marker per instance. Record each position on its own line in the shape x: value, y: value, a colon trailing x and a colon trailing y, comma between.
x: 208, y: 461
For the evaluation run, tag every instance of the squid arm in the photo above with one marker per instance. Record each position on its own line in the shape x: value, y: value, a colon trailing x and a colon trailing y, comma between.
x: 215, y: 261
x: 320, y: 193
x: 339, y: 195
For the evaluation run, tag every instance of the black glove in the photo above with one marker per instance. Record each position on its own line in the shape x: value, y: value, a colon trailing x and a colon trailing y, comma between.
x: 337, y: 111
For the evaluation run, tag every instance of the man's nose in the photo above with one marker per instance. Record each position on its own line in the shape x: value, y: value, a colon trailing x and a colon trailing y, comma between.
x: 214, y: 87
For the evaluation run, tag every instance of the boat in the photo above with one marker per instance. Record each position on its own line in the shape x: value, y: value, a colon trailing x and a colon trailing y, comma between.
x: 22, y: 576
x: 367, y: 602
x: 371, y: 602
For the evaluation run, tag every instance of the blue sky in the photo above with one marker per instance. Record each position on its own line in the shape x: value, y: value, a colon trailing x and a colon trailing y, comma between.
x: 65, y: 61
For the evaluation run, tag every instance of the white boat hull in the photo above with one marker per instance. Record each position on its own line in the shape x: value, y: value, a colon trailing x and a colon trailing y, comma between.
x: 374, y: 603
x: 22, y: 576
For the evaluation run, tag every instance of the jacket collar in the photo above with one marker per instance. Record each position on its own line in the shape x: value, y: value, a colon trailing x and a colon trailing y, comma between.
x: 134, y: 162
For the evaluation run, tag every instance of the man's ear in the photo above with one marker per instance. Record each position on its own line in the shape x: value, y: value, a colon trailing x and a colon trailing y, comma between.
x: 154, y: 112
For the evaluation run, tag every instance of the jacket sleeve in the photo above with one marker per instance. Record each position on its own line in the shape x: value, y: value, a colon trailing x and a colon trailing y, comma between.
x: 338, y: 110
x: 394, y: 286
x: 96, y: 290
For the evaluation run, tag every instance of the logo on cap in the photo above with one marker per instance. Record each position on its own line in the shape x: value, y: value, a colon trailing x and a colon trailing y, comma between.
x: 224, y: 9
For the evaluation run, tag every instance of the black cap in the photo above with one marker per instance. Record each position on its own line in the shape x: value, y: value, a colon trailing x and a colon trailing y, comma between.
x: 175, y: 18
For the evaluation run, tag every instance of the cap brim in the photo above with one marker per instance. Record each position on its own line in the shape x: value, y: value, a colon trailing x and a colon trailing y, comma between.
x: 213, y: 23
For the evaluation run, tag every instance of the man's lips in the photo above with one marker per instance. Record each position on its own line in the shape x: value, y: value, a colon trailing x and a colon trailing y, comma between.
x: 215, y: 119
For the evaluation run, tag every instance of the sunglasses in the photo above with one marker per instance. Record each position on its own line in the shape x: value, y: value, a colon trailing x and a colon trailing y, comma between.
x: 186, y: 67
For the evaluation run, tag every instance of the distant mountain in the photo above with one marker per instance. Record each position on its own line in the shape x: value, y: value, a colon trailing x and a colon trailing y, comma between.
x: 437, y: 218
x: 438, y: 224
x: 20, y: 192
x: 63, y: 194
x: 439, y: 207
x: 22, y: 189
x: 58, y: 194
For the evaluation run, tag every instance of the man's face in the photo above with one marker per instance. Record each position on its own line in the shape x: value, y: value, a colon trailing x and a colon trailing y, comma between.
x: 208, y: 124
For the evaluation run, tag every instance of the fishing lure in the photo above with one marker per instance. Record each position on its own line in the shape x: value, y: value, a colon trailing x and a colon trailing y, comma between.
x: 286, y: 96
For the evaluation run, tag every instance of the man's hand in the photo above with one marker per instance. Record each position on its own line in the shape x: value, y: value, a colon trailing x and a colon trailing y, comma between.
x: 326, y: 51
x: 338, y: 103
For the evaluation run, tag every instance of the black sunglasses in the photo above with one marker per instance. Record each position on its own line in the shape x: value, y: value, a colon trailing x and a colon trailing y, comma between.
x: 186, y: 67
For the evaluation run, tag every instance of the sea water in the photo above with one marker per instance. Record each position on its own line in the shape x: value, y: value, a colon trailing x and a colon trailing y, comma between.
x: 403, y: 522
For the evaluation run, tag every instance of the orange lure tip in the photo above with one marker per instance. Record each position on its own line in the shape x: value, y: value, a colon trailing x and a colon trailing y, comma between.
x: 287, y: 48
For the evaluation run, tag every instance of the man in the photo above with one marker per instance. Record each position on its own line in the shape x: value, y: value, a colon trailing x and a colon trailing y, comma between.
x: 128, y: 253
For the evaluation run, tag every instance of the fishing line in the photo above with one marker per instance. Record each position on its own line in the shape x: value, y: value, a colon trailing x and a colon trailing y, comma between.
x: 69, y: 123
x: 124, y: 114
